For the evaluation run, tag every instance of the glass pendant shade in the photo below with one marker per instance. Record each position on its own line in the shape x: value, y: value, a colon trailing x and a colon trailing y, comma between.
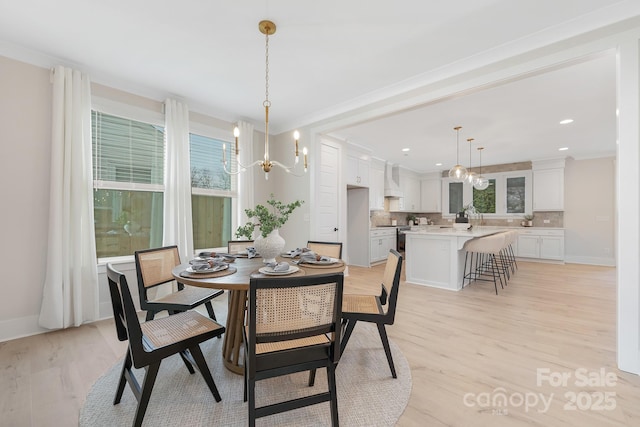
x: 481, y: 183
x: 472, y: 177
x: 458, y: 173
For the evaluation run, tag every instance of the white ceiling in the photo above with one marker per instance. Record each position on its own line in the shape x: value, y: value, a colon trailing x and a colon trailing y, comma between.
x: 330, y: 58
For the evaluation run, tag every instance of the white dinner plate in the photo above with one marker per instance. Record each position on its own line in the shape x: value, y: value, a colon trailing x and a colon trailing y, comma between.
x: 269, y: 271
x: 208, y: 270
x: 321, y: 262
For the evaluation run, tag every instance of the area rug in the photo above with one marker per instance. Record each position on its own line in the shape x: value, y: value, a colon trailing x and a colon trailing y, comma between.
x: 367, y: 394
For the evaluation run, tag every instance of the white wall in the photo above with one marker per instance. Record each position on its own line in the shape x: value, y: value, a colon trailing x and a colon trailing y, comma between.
x: 25, y: 135
x: 589, y: 217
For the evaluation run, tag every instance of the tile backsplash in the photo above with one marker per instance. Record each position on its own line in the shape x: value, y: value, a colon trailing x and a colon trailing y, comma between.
x: 556, y: 219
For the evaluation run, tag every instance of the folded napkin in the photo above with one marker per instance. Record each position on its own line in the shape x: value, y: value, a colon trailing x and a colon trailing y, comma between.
x: 294, y: 253
x: 200, y: 266
x: 279, y: 266
x: 308, y: 256
x: 251, y: 252
x: 311, y: 257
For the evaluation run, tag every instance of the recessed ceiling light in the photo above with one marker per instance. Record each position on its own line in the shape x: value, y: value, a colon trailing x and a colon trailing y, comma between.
x: 566, y: 121
x: 438, y: 164
x: 406, y: 149
x: 563, y: 148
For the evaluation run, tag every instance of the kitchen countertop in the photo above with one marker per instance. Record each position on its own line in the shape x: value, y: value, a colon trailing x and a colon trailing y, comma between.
x: 450, y: 231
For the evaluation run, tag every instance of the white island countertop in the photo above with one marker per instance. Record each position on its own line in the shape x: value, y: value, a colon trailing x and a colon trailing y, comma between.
x: 453, y: 232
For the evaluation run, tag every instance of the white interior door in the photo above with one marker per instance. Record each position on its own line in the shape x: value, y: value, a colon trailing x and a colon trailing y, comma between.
x: 327, y: 201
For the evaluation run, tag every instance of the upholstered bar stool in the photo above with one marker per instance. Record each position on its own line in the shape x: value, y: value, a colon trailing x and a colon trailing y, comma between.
x: 504, y: 259
x: 481, y: 259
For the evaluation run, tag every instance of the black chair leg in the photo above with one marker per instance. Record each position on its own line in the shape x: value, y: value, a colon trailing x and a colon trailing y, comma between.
x: 212, y: 313
x: 312, y: 377
x: 150, y: 315
x: 126, y: 367
x: 387, y: 349
x: 333, y: 393
x: 198, y: 357
x: 251, y: 391
x: 209, y: 307
x: 147, y: 387
x: 187, y: 363
x: 347, y: 334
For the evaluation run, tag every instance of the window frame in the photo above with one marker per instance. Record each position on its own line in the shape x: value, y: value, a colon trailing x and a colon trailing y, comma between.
x: 157, y: 118
x: 501, y: 194
x: 226, y: 137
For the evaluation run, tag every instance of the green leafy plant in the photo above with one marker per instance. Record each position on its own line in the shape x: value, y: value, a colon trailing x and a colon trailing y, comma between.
x: 268, y: 219
x: 528, y: 217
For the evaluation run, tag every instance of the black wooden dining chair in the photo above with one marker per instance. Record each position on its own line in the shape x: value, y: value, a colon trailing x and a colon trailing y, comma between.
x: 152, y: 341
x: 380, y: 310
x: 293, y: 325
x: 330, y: 249
x: 153, y: 268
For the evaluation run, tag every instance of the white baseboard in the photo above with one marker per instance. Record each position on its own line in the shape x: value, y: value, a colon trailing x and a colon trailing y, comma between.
x: 607, y: 262
x: 20, y: 327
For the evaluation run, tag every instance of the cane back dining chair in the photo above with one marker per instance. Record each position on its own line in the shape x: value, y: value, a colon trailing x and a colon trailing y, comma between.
x: 153, y: 268
x: 152, y: 341
x: 235, y: 246
x: 330, y: 249
x: 380, y: 310
x: 293, y: 325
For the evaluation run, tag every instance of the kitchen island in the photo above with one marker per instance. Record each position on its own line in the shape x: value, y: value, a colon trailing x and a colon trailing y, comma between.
x: 434, y: 255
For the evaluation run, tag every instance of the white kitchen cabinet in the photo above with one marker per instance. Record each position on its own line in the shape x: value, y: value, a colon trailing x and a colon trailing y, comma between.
x: 548, y: 185
x: 380, y: 243
x: 541, y: 244
x: 411, y: 190
x: 357, y: 171
x: 430, y: 194
x: 376, y: 186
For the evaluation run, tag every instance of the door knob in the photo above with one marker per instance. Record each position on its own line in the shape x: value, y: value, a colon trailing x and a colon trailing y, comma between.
x: 335, y: 228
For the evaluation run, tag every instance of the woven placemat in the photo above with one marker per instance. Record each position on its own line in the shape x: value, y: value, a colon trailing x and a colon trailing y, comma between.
x: 334, y: 265
x: 220, y: 273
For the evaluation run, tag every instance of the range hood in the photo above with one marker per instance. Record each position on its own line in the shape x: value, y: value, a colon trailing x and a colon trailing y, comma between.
x: 392, y: 181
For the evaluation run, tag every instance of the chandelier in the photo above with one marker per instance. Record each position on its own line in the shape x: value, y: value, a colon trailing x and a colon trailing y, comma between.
x: 458, y: 173
x: 267, y: 28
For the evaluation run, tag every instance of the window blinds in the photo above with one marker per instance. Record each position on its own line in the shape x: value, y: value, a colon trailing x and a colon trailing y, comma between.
x: 207, y: 171
x: 126, y: 151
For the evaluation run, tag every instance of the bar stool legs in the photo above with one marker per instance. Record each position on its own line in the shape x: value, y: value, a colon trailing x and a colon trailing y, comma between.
x: 488, y: 259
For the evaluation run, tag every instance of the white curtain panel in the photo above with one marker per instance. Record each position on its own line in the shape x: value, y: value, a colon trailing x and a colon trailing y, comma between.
x: 245, y: 179
x: 70, y: 293
x: 178, y: 223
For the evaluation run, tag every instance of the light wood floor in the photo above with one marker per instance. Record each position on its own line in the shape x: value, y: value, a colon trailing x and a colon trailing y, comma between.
x: 465, y: 350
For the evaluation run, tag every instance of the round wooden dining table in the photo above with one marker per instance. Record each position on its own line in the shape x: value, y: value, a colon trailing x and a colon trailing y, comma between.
x: 236, y: 281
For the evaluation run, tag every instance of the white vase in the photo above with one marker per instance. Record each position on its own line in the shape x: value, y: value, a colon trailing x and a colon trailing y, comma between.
x: 269, y: 247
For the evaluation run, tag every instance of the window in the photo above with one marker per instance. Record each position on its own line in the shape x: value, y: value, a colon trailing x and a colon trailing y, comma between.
x: 128, y: 167
x: 485, y: 200
x: 213, y: 193
x: 509, y: 195
x: 456, y: 194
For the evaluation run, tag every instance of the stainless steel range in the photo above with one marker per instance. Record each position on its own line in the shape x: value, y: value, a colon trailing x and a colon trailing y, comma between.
x: 401, y: 237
